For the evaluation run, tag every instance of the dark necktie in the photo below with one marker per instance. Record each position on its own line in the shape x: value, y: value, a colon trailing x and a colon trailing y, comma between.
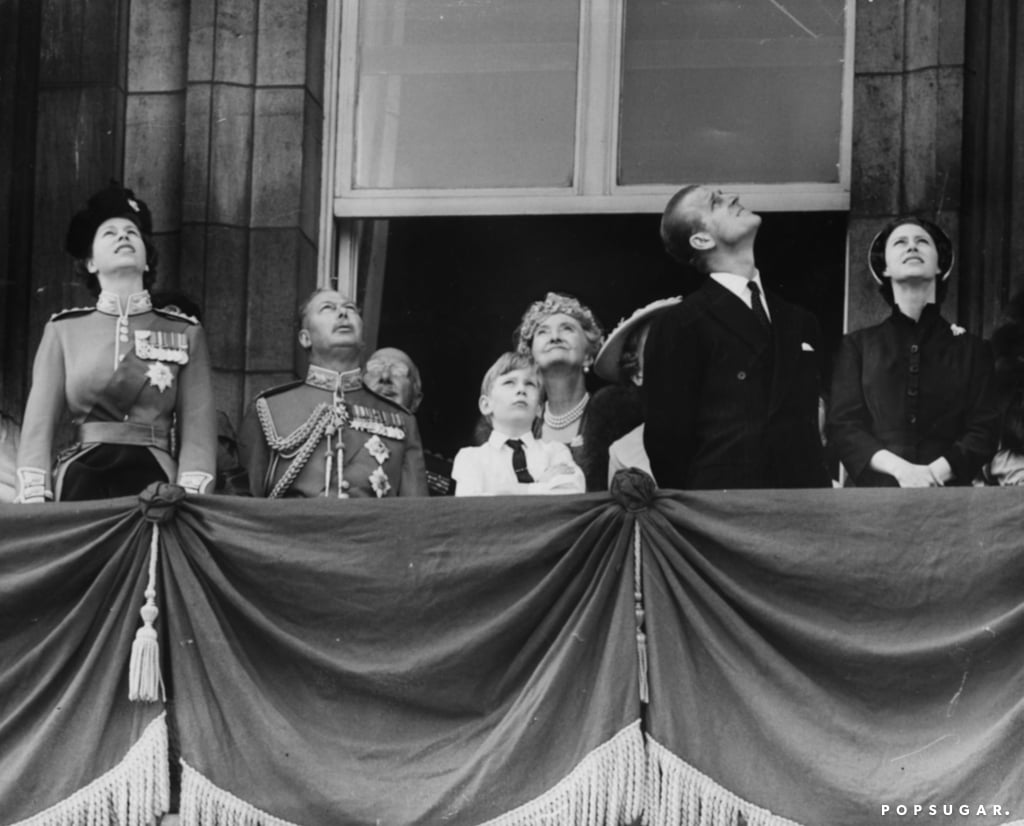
x: 755, y: 304
x: 519, y: 460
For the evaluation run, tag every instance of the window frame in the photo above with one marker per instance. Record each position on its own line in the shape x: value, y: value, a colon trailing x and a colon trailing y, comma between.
x: 595, y: 189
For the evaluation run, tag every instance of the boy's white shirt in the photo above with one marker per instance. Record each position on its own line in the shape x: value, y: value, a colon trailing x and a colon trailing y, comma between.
x: 487, y: 470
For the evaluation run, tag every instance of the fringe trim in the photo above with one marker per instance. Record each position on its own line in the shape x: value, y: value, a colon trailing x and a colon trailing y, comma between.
x: 680, y: 795
x: 136, y: 792
x: 607, y: 786
x: 204, y: 804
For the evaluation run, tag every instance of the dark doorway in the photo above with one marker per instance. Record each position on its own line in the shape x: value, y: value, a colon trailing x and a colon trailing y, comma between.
x: 455, y: 288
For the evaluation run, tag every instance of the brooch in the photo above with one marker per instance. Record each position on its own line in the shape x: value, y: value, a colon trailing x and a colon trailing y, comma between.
x: 377, y: 449
x: 160, y: 375
x: 956, y: 329
x: 379, y: 482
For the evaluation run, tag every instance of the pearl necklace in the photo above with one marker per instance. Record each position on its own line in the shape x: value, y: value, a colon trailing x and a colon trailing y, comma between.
x: 563, y: 420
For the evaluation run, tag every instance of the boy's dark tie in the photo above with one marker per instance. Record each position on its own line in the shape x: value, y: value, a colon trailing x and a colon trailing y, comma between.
x: 755, y: 304
x: 519, y: 460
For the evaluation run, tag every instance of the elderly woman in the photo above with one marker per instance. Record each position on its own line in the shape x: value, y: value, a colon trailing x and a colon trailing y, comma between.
x: 563, y: 336
x: 134, y: 379
x: 912, y: 402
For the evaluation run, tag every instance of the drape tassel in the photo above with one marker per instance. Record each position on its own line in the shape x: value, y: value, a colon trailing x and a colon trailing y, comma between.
x: 607, y: 786
x: 145, y: 682
x: 136, y: 792
x: 638, y: 610
x: 680, y: 795
x: 204, y: 804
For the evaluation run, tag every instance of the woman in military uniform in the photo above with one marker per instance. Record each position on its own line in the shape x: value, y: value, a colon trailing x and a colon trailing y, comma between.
x: 912, y: 402
x: 134, y: 379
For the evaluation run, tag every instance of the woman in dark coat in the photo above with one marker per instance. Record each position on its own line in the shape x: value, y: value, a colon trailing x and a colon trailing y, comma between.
x: 912, y: 401
x: 134, y: 379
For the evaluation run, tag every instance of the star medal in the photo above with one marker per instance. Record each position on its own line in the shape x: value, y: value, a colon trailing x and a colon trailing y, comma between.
x: 379, y: 482
x: 377, y: 449
x: 160, y: 375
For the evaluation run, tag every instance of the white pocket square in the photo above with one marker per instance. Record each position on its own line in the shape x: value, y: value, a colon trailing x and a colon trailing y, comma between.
x: 806, y: 347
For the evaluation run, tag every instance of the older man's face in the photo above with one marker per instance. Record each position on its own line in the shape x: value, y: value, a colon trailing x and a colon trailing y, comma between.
x: 332, y: 322
x: 719, y: 215
x: 392, y: 374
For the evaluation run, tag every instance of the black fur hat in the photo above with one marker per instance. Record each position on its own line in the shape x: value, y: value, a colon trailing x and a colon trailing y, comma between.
x: 113, y: 202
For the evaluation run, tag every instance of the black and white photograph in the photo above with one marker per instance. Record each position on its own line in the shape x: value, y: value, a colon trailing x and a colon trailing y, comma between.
x: 511, y: 412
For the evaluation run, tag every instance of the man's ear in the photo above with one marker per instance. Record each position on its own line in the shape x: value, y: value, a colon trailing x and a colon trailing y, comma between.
x: 702, y: 241
x: 305, y: 341
x: 486, y: 407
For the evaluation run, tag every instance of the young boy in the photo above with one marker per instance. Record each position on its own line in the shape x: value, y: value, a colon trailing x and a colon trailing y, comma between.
x: 513, y: 460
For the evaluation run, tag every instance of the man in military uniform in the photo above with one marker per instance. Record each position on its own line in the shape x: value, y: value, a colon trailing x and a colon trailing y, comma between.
x: 329, y: 435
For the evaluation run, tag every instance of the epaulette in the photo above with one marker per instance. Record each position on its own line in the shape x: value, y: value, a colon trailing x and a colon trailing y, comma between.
x: 71, y: 313
x: 386, y: 400
x: 164, y: 311
x: 279, y: 388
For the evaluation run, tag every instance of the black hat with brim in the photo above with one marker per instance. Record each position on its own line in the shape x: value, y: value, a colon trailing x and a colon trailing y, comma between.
x: 943, y: 245
x: 113, y: 202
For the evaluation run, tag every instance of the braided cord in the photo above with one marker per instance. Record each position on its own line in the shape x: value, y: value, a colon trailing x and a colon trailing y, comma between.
x: 295, y: 439
x: 297, y: 445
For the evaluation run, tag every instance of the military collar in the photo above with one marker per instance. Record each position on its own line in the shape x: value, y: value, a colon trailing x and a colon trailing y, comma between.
x: 330, y: 380
x: 110, y: 303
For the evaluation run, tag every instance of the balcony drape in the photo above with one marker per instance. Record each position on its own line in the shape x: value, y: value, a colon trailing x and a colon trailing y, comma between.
x: 810, y: 657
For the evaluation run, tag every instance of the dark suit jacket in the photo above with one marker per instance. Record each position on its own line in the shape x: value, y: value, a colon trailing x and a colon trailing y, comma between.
x: 729, y: 405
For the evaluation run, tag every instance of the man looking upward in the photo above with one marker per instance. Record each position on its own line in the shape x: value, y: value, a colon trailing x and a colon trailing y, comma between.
x: 731, y: 375
x: 329, y: 435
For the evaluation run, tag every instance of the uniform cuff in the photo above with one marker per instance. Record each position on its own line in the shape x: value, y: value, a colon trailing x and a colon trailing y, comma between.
x: 195, y: 481
x: 32, y: 485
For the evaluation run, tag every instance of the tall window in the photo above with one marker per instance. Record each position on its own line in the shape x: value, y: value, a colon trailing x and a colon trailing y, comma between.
x: 556, y: 106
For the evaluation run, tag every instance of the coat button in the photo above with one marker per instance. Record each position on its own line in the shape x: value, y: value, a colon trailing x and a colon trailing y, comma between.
x: 914, y: 348
x: 741, y: 375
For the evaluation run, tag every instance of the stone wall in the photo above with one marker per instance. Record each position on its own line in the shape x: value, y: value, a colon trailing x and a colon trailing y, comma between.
x: 907, y: 131
x: 212, y: 112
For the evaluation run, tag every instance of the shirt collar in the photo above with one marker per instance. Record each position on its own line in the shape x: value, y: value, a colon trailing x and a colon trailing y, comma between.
x: 110, y: 303
x: 737, y: 284
x: 330, y: 380
x: 497, y: 439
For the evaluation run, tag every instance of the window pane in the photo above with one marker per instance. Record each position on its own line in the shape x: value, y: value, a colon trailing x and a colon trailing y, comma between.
x: 466, y: 94
x: 744, y: 91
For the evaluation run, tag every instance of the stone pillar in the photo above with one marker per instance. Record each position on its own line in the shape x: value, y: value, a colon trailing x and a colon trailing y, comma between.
x: 907, y: 131
x: 992, y: 251
x: 154, y: 129
x: 253, y: 126
x: 79, y: 143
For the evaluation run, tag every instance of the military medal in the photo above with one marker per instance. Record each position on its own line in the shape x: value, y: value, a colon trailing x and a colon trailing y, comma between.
x: 377, y: 449
x: 380, y: 483
x: 161, y: 345
x: 378, y: 422
x: 160, y: 375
